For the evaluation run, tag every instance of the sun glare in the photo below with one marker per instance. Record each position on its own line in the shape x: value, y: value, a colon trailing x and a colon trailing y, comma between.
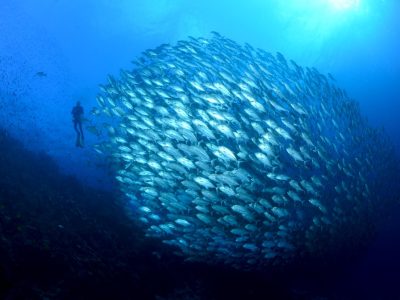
x: 344, y: 4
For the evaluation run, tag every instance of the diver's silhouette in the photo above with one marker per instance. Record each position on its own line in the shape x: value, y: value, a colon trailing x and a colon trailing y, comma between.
x: 77, y: 114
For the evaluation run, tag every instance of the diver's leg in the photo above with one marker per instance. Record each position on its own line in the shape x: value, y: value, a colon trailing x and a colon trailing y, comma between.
x: 76, y: 127
x: 78, y: 135
x: 81, y: 134
x: 81, y: 130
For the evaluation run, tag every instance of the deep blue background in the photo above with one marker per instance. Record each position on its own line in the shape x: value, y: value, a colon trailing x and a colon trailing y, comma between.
x: 77, y: 43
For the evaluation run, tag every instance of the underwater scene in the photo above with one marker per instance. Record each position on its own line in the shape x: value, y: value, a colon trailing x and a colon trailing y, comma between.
x: 171, y: 149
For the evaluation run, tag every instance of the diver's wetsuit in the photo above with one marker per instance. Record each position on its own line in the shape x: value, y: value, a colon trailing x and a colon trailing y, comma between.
x: 77, y: 113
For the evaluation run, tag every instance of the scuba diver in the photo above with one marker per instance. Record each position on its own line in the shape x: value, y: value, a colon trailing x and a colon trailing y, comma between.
x: 77, y: 114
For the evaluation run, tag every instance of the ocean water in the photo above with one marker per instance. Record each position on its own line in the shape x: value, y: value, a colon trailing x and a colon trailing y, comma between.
x: 65, y: 231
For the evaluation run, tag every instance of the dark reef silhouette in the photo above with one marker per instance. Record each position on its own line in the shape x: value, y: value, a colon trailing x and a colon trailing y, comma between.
x: 62, y: 240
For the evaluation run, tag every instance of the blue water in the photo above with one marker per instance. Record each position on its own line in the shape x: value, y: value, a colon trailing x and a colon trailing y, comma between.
x: 77, y: 43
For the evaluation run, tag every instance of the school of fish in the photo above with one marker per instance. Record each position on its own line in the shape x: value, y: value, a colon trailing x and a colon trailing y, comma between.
x: 233, y: 155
